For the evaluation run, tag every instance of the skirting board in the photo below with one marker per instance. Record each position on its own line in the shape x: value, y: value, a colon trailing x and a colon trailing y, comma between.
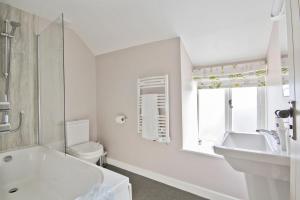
x: 188, y: 187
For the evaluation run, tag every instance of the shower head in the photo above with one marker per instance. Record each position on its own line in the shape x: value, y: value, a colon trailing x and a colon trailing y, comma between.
x: 14, y: 26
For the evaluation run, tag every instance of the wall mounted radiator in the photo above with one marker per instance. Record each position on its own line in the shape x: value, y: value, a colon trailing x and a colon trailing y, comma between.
x: 153, y: 108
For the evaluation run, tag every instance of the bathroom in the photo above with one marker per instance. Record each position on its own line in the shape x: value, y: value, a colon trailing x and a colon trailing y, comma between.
x: 149, y: 100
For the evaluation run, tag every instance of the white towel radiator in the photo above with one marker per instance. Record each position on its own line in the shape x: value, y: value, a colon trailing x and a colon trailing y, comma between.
x: 155, y: 85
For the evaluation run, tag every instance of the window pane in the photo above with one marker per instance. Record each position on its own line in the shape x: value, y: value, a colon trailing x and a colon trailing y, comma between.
x: 244, y: 112
x: 211, y: 114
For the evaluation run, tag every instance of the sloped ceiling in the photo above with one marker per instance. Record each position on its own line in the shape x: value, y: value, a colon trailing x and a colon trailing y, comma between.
x: 213, y: 31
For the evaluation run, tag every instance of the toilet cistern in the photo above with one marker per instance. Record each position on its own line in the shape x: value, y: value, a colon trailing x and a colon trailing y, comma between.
x: 79, y: 144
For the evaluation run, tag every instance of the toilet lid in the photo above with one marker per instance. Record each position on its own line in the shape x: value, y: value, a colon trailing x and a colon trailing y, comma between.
x: 88, y: 148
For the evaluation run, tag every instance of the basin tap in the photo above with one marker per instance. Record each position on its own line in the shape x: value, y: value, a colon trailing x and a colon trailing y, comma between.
x: 273, y: 133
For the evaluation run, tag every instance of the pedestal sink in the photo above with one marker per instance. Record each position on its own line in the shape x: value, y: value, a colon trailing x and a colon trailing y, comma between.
x: 266, y: 167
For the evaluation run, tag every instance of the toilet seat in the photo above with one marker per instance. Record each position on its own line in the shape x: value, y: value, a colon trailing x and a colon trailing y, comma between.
x: 87, y: 149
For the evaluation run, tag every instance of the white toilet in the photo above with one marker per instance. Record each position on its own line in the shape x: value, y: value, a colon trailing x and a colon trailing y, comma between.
x: 78, y: 143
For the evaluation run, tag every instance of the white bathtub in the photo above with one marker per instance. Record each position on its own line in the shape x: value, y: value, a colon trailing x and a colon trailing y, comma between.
x: 40, y: 173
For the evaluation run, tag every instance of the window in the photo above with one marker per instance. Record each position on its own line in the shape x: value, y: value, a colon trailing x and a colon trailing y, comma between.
x: 221, y: 110
x: 211, y: 114
x: 244, y: 109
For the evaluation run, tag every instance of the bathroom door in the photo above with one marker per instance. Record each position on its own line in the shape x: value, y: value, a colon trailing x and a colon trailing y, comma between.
x: 52, y: 85
x: 293, y: 19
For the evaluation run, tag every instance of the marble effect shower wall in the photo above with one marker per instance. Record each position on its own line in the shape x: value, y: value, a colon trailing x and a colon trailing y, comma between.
x: 23, y: 91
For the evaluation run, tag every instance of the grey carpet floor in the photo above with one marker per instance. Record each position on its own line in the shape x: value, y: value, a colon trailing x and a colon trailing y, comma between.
x: 147, y: 189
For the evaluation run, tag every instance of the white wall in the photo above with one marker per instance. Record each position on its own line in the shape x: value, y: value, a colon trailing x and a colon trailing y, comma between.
x: 117, y: 74
x: 188, y: 102
x: 80, y: 78
x: 275, y: 99
x: 274, y: 57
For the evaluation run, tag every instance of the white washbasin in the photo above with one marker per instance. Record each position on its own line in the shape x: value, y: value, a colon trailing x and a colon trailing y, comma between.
x: 254, y: 154
x: 266, y: 168
x: 253, y: 142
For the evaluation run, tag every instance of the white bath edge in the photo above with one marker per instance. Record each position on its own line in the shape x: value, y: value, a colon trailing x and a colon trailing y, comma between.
x: 40, y: 172
x: 188, y: 187
x: 18, y: 148
x: 104, y: 170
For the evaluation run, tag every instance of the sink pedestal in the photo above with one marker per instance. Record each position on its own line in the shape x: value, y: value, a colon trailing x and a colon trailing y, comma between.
x: 265, y: 181
x: 267, y: 171
x: 262, y: 188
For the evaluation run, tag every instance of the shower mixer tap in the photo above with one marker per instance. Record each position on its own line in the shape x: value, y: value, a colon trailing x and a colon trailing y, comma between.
x: 6, y: 127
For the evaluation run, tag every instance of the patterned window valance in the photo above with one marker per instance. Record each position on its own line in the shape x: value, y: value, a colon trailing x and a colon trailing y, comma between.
x: 247, y: 74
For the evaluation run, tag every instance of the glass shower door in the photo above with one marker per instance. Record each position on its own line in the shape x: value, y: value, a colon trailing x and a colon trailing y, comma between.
x: 51, y: 86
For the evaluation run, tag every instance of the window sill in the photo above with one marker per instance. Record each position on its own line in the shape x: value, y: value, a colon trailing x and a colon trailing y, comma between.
x: 202, y: 150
